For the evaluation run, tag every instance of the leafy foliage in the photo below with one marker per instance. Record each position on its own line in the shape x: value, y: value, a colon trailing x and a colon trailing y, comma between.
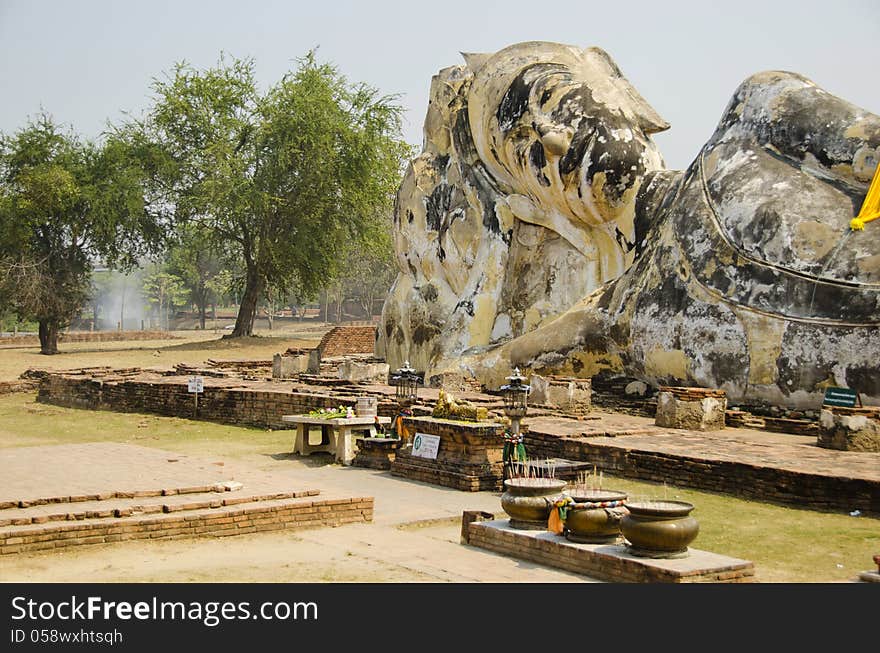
x: 192, y: 258
x: 164, y: 290
x: 286, y: 181
x: 64, y: 202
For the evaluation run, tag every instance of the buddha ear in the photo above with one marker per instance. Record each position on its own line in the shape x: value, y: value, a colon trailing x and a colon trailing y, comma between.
x: 649, y: 120
x: 475, y: 60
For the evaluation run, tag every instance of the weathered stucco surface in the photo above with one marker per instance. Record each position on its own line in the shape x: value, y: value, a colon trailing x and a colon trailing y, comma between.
x: 539, y: 228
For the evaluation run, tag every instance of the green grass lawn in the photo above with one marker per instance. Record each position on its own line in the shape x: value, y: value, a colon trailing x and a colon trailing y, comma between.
x: 786, y: 544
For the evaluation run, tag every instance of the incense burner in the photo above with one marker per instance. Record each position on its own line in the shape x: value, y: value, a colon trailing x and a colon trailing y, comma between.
x: 528, y: 501
x: 659, y: 529
x: 595, y: 516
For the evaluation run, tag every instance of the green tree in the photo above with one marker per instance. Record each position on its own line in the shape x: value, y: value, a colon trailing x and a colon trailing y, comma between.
x: 370, y: 270
x: 283, y: 181
x: 192, y: 258
x: 63, y: 203
x: 164, y: 291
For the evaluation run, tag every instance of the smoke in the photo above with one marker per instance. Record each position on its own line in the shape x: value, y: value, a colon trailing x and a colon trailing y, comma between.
x: 118, y: 300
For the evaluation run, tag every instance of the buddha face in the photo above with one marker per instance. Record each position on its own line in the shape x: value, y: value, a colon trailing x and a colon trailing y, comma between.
x: 562, y: 126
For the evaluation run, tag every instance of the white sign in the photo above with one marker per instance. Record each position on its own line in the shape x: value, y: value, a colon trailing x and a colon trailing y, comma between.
x: 196, y: 384
x: 426, y: 446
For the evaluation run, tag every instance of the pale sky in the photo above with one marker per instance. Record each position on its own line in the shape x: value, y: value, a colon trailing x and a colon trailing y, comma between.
x: 87, y: 61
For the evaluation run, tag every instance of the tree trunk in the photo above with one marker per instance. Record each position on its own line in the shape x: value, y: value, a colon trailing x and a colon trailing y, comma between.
x: 48, y: 337
x: 247, y: 310
x: 270, y: 308
x: 201, y: 301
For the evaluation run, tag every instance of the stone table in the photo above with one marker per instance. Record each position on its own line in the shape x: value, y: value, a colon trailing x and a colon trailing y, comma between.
x: 337, y: 434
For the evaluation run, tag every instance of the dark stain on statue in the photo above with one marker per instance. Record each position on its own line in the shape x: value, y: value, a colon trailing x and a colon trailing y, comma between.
x: 538, y: 160
x: 656, y: 192
x: 620, y: 161
x: 864, y: 379
x: 575, y: 154
x: 622, y: 242
x: 728, y: 366
x: 409, y: 216
x: 473, y: 172
x: 467, y: 305
x: 425, y: 333
x: 550, y: 281
x: 428, y: 292
x: 516, y: 100
x: 670, y: 298
x: 437, y: 206
x: 801, y: 375
x: 441, y: 163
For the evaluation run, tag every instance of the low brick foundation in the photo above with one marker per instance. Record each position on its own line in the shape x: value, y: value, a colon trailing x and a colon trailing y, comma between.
x: 607, y: 562
x: 212, y: 522
x: 743, y: 419
x: 469, y: 457
x: 463, y: 477
x: 90, y: 336
x: 21, y: 385
x: 762, y: 483
x: 376, y: 453
x: 169, y: 396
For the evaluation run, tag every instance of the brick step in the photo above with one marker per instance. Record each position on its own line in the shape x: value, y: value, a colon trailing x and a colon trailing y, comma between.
x: 251, y: 517
x: 115, y: 494
x: 120, y: 507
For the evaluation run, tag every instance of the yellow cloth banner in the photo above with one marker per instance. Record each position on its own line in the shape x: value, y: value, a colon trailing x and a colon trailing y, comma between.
x: 870, y: 207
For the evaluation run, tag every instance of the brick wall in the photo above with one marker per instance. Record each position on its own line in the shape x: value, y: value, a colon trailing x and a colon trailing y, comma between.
x: 91, y: 336
x: 22, y: 385
x: 243, y: 406
x: 343, y: 340
x: 727, y: 477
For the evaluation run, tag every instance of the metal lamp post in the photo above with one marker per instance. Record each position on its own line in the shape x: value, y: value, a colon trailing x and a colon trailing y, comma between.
x: 406, y: 388
x: 516, y: 394
x: 406, y: 385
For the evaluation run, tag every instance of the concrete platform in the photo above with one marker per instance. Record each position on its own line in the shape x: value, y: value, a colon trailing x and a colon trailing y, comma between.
x: 608, y: 562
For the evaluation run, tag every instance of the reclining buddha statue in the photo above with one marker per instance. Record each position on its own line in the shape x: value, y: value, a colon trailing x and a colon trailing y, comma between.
x: 540, y: 228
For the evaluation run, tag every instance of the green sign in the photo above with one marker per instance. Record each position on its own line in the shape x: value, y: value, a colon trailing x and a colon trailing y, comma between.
x: 841, y: 397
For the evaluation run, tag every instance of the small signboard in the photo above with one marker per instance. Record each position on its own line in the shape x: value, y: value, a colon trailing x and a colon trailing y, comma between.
x: 196, y: 384
x: 841, y: 397
x: 426, y: 446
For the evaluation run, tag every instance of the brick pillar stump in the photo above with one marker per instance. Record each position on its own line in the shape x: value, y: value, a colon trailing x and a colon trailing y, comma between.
x: 696, y: 409
x: 849, y: 429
